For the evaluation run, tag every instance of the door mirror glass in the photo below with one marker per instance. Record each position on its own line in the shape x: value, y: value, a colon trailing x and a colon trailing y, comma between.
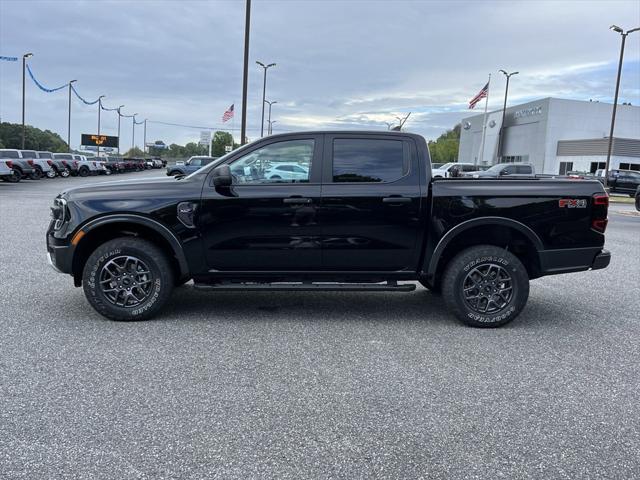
x: 222, y: 176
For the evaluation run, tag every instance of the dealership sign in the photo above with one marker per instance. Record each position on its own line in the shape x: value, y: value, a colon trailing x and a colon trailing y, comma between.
x: 528, y: 112
x: 99, y: 140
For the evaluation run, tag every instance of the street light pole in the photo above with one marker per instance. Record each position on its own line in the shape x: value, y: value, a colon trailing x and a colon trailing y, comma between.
x: 504, y: 110
x: 269, y: 119
x: 119, y: 115
x: 69, y: 119
x: 245, y: 72
x: 133, y: 135
x: 144, y: 144
x: 271, y: 126
x: 623, y: 34
x: 264, y: 92
x: 24, y: 66
x: 99, y: 110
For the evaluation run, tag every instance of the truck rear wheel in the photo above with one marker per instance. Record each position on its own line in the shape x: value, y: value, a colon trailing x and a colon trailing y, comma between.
x: 83, y: 172
x: 485, y: 286
x: 127, y: 279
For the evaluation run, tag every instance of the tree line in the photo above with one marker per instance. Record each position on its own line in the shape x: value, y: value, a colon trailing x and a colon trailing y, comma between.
x: 445, y: 148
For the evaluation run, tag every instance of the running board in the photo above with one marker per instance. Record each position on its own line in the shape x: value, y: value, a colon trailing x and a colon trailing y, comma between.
x: 308, y: 287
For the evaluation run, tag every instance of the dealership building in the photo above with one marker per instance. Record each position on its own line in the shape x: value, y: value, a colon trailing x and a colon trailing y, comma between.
x: 555, y: 135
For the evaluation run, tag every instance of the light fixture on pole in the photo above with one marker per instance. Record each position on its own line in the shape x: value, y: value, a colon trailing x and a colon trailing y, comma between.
x: 623, y: 34
x: 264, y: 91
x: 69, y: 119
x: 99, y: 109
x: 133, y: 135
x: 504, y: 110
x: 269, y: 116
x: 119, y: 116
x: 271, y: 126
x: 24, y: 65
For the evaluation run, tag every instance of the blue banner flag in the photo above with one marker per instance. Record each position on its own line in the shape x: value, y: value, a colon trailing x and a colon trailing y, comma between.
x: 40, y: 86
x: 82, y: 99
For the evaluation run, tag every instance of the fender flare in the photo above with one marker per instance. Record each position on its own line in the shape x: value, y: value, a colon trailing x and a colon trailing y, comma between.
x: 156, y: 226
x: 477, y: 222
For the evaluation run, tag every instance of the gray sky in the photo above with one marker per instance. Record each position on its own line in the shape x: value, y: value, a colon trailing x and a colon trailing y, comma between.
x: 341, y: 64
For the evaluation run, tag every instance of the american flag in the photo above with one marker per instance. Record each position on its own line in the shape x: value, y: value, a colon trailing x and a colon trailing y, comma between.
x: 228, y: 114
x: 481, y: 94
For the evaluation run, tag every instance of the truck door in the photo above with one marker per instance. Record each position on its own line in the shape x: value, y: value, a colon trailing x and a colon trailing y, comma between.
x: 265, y: 221
x: 371, y: 201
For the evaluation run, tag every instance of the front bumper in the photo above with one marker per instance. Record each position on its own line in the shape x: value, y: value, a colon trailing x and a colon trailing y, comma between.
x: 60, y: 255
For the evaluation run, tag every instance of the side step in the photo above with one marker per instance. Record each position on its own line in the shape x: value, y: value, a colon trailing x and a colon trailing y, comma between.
x: 308, y: 287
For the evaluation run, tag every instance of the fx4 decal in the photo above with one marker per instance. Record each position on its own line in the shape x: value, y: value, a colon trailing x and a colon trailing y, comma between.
x: 572, y: 203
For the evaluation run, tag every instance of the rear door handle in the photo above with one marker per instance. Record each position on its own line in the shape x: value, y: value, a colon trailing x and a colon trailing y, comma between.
x: 296, y: 200
x: 396, y: 200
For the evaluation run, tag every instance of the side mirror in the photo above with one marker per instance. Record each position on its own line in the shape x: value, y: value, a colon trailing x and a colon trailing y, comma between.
x: 222, y: 176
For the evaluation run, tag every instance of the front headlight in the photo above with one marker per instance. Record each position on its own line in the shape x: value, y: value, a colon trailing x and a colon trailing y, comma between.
x: 59, y: 213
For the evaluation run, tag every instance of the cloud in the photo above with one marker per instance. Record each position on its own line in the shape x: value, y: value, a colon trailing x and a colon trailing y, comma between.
x: 348, y: 64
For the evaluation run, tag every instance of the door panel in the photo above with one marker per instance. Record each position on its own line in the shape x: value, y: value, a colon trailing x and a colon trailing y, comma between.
x: 261, y: 224
x: 369, y: 225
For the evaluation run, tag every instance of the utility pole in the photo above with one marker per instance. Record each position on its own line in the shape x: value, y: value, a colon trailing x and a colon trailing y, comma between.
x: 264, y: 91
x: 24, y: 66
x: 245, y: 73
x: 504, y: 111
x: 119, y: 116
x: 144, y: 145
x: 69, y: 119
x: 99, y: 109
x: 133, y: 135
x: 624, y: 34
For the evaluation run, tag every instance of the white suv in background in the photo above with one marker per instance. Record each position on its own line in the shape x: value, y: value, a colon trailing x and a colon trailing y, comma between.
x: 446, y: 170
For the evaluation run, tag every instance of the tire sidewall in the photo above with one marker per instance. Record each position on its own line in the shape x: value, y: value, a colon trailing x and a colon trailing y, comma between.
x: 478, y: 257
x: 162, y: 281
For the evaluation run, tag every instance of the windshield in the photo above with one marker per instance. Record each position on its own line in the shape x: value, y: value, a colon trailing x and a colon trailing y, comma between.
x: 447, y: 165
x: 496, y: 168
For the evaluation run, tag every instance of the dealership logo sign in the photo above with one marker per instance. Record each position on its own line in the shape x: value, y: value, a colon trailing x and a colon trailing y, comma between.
x: 528, y: 112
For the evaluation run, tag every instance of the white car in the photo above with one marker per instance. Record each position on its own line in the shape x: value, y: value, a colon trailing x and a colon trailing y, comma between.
x: 93, y: 167
x: 446, y: 170
x: 286, y: 171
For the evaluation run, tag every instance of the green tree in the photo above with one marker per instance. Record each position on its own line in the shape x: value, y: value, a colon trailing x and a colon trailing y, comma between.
x: 445, y: 148
x: 35, y: 139
x: 220, y: 140
x: 134, y: 152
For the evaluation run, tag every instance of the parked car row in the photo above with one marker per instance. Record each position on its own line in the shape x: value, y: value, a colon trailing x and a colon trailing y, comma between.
x: 16, y: 165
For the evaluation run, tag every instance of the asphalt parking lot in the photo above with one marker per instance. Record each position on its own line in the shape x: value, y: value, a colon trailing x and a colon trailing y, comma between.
x: 314, y: 385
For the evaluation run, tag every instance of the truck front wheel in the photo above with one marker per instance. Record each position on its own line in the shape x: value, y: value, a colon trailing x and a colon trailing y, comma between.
x: 127, y: 279
x: 485, y: 286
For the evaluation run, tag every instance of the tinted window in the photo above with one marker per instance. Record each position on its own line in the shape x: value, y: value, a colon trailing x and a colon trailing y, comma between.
x: 511, y: 169
x: 367, y: 160
x: 44, y: 155
x: 262, y: 165
x: 9, y: 154
x: 524, y: 169
x: 195, y: 162
x: 28, y: 154
x: 469, y: 168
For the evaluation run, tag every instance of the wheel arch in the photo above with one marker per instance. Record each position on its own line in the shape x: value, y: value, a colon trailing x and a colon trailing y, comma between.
x: 103, y: 229
x: 498, y: 231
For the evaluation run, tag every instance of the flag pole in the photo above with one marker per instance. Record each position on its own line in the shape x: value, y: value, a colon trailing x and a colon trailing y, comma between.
x: 484, y: 124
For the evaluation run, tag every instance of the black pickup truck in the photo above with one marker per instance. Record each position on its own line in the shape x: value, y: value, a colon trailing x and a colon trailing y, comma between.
x: 364, y: 214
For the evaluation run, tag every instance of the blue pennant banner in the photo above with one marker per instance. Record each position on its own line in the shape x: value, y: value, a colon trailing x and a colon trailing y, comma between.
x: 40, y: 86
x: 82, y: 99
x: 9, y: 59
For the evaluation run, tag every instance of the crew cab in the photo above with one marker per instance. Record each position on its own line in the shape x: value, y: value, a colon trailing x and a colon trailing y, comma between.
x: 43, y: 167
x: 367, y: 217
x: 190, y: 166
x: 23, y: 168
x: 57, y: 166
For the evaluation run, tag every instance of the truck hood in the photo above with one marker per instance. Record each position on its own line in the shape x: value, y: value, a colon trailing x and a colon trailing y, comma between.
x: 129, y: 186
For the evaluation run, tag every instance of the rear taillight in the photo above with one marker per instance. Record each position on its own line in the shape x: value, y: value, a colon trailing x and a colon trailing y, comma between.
x: 64, y: 162
x: 9, y: 164
x: 30, y: 162
x: 75, y: 163
x: 50, y: 163
x: 599, y: 212
x: 94, y: 164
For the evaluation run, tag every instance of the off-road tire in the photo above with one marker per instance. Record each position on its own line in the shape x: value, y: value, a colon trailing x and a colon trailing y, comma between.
x: 15, y: 177
x: 37, y: 173
x: 84, y: 171
x: 162, y: 278
x: 457, y: 274
x: 173, y: 173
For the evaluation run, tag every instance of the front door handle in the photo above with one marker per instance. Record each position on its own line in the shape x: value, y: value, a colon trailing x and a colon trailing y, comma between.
x: 396, y: 200
x: 297, y: 200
